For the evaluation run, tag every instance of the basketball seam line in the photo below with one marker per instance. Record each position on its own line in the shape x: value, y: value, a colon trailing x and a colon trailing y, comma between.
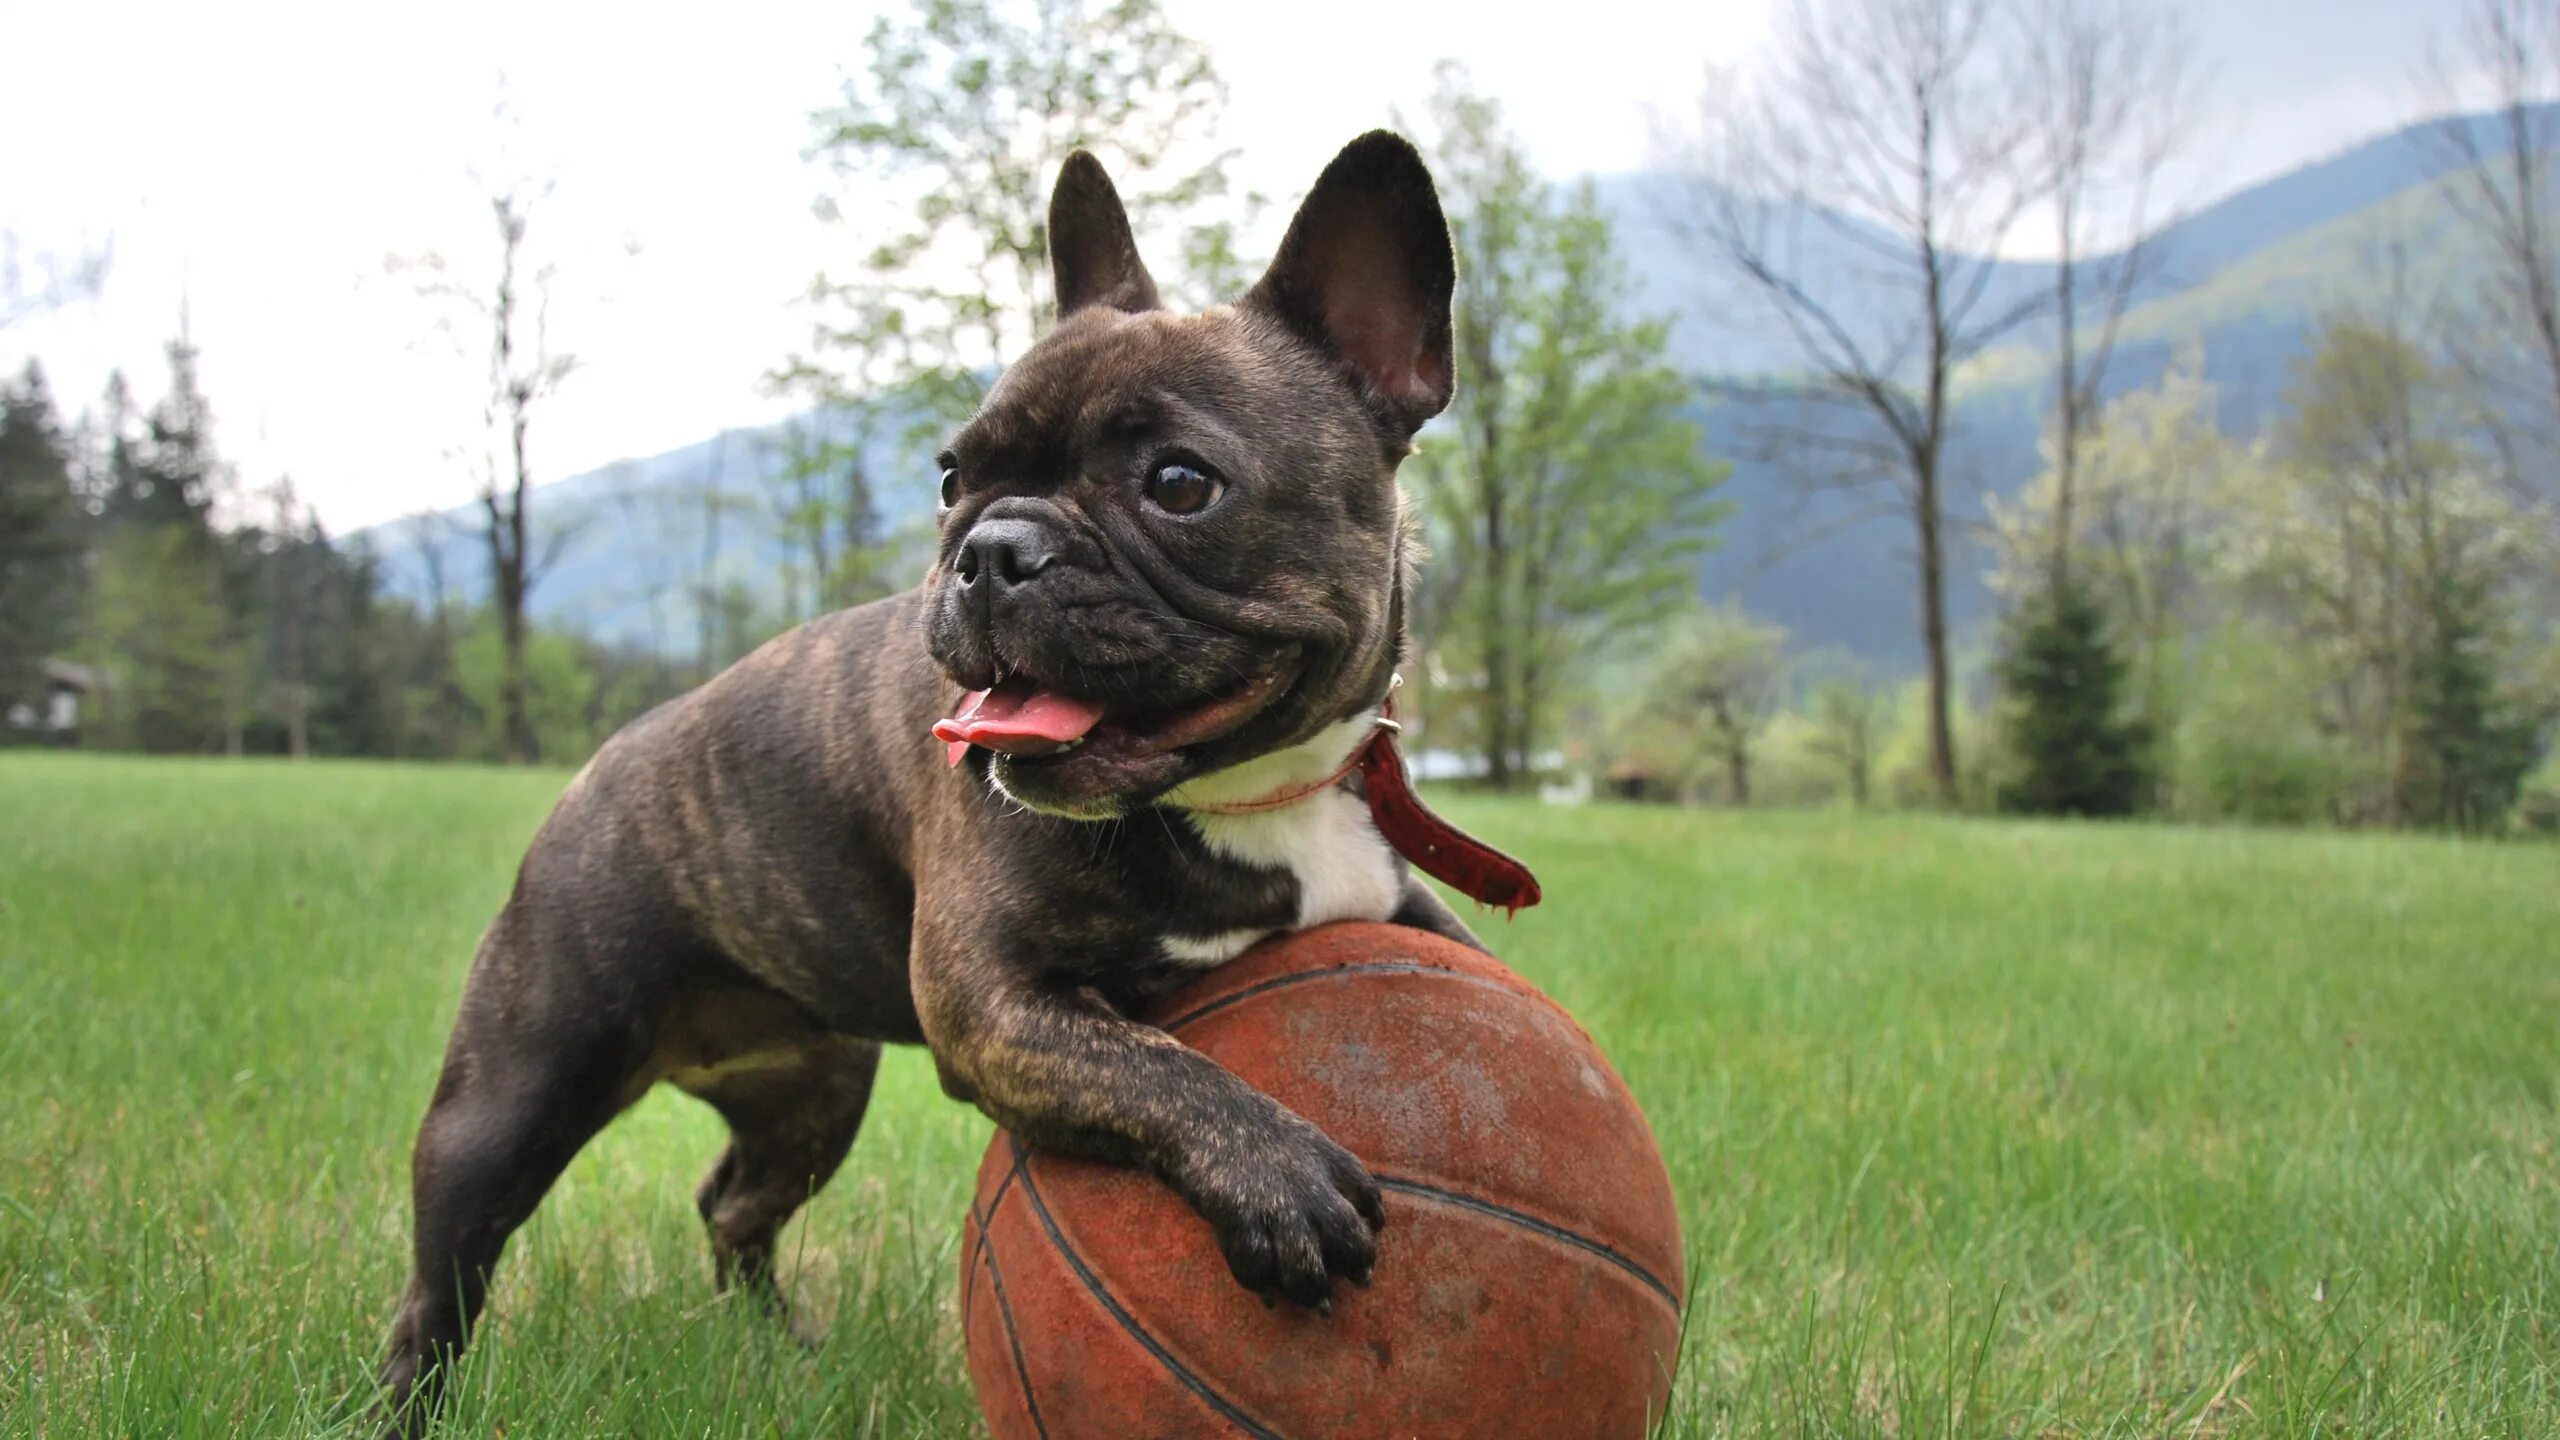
x: 1547, y: 1228
x: 1002, y: 1186
x: 1004, y: 1308
x: 1127, y: 1322
x: 1371, y: 967
x: 1013, y: 1338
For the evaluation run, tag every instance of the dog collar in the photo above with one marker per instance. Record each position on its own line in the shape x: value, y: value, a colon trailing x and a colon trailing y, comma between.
x: 1383, y: 726
x: 1430, y: 844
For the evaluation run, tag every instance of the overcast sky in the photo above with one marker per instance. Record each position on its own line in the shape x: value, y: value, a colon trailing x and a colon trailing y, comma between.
x: 261, y: 161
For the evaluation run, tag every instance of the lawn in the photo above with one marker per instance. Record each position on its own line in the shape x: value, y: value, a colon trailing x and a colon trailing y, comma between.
x: 1979, y: 1128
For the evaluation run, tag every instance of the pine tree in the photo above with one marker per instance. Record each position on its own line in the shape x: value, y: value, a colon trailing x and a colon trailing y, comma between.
x: 2469, y: 749
x: 172, y: 476
x: 2076, y: 751
x: 162, y: 621
x: 42, y: 537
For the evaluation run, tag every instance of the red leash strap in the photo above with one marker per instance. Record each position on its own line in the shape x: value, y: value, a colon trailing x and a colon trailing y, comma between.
x: 1434, y: 846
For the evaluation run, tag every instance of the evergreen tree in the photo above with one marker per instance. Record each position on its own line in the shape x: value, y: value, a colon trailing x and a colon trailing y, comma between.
x: 172, y: 475
x: 43, y: 536
x: 2076, y: 751
x: 353, y: 652
x: 2469, y: 749
x: 162, y: 621
x: 159, y: 633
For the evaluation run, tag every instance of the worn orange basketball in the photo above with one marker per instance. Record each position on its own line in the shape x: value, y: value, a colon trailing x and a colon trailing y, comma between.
x: 1528, y: 1281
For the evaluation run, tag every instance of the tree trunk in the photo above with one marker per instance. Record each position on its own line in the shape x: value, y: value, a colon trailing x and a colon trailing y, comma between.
x: 508, y: 562
x: 233, y: 705
x: 1493, y: 582
x: 1928, y: 447
x: 1933, y: 634
x: 2066, y: 400
x: 296, y: 694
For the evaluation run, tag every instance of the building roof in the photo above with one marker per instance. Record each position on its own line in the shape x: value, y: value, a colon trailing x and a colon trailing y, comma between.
x: 70, y: 676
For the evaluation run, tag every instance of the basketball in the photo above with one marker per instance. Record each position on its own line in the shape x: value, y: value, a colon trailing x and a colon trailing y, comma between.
x: 1529, y: 1278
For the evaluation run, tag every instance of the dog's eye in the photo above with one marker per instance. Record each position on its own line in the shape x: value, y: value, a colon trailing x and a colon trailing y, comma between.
x: 950, y: 488
x: 1180, y: 489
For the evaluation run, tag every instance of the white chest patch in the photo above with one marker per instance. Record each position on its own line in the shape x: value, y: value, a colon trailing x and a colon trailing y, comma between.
x: 1327, y: 841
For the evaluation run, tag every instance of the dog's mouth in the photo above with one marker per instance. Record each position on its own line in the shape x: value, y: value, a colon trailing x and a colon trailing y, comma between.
x: 1026, y: 720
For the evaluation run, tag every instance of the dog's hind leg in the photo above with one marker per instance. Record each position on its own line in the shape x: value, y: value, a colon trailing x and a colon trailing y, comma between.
x: 531, y: 1074
x: 792, y: 1117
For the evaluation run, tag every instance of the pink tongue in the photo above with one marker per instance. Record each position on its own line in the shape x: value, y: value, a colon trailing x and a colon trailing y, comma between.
x: 1017, y: 720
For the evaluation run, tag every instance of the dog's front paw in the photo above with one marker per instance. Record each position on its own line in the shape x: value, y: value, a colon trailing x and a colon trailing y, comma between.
x: 1291, y: 1209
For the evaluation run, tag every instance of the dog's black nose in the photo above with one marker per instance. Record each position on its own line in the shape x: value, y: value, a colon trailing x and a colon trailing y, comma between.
x: 1012, y: 550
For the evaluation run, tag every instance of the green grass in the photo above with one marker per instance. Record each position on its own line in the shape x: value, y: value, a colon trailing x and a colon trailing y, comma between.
x: 1979, y: 1129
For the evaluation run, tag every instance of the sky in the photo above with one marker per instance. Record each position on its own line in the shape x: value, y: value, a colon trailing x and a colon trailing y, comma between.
x: 253, y: 167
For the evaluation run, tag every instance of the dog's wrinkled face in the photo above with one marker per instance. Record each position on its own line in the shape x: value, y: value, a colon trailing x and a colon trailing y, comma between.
x: 1169, y: 543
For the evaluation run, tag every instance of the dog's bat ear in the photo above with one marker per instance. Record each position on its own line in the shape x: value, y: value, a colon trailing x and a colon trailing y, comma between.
x: 1366, y: 273
x: 1092, y: 256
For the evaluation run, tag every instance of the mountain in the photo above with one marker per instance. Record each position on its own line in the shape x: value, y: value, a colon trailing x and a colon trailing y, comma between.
x: 634, y: 544
x: 2244, y: 281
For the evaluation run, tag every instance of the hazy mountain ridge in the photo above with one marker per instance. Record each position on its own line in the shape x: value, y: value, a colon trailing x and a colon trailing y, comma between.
x: 2243, y: 280
x: 2244, y: 284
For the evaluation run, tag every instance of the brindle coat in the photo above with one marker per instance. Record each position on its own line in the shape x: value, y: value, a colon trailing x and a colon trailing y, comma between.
x: 753, y: 888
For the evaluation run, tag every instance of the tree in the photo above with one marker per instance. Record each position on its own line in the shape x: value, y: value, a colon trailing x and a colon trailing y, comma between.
x: 163, y: 621
x: 2109, y: 81
x: 511, y: 310
x: 961, y: 110
x: 1568, y: 501
x: 2150, y: 477
x: 2077, y: 751
x: 819, y: 490
x: 286, y: 548
x: 49, y: 282
x: 703, y: 506
x: 2380, y: 540
x: 352, y: 647
x: 2473, y: 745
x: 434, y: 712
x: 2501, y: 193
x: 169, y: 475
x: 1844, y: 723
x: 1720, y: 674
x: 43, y: 537
x: 1855, y: 198
x: 161, y: 634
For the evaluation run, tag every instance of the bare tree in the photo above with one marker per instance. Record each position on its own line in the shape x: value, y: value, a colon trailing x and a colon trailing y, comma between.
x: 512, y: 310
x: 32, y: 285
x: 1856, y: 197
x: 2500, y: 189
x: 819, y: 488
x: 704, y: 505
x: 430, y: 533
x: 2111, y: 83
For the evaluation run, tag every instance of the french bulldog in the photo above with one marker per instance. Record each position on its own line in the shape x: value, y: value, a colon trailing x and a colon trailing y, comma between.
x: 1133, y: 720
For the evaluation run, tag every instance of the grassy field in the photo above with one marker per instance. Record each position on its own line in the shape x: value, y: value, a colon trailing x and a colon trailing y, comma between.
x: 1980, y: 1129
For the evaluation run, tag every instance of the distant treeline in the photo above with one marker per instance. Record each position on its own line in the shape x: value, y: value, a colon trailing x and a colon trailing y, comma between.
x: 2354, y: 620
x: 188, y: 614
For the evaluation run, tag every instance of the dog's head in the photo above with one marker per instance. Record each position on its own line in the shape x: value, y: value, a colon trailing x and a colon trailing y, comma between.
x: 1172, y: 543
